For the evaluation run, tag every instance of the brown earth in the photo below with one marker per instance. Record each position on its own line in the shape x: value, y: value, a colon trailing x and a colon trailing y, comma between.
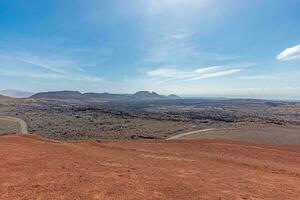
x: 37, y: 168
x: 262, y: 133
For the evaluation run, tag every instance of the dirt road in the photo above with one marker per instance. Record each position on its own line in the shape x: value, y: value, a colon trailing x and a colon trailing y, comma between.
x: 36, y: 168
x: 23, y: 125
x: 190, y: 133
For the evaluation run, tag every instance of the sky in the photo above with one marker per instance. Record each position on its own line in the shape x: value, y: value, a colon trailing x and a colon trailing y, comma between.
x: 228, y: 48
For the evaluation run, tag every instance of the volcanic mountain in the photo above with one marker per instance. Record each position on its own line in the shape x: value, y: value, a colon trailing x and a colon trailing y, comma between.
x: 76, y: 95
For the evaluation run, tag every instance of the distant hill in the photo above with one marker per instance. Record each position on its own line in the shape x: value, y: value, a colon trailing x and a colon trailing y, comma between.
x: 173, y: 96
x: 147, y: 95
x: 5, y: 98
x: 106, y: 96
x: 16, y: 93
x: 59, y: 95
x: 75, y: 95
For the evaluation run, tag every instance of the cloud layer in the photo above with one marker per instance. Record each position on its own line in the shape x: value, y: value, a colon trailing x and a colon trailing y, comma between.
x: 192, y: 75
x: 291, y: 53
x: 44, y: 68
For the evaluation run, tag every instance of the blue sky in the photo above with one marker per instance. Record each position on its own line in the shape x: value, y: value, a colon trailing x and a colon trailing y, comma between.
x: 229, y: 48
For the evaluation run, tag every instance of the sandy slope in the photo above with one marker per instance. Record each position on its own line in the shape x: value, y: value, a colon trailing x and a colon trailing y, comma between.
x: 253, y: 132
x: 35, y: 168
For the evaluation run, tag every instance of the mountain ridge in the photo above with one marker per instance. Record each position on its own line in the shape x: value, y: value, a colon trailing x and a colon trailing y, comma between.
x: 76, y: 95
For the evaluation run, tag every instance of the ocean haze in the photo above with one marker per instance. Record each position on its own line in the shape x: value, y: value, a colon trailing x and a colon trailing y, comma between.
x: 16, y: 93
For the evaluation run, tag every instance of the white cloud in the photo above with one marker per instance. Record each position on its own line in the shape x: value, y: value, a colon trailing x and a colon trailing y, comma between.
x: 158, y: 6
x: 180, y: 47
x: 287, y: 75
x: 56, y: 69
x: 54, y: 65
x: 216, y: 74
x: 257, y: 77
x: 48, y: 75
x: 192, y: 75
x: 176, y: 36
x: 164, y: 72
x: 218, y: 56
x: 248, y: 89
x: 181, y: 51
x: 180, y: 35
x: 291, y: 53
x: 207, y: 69
x: 15, y: 72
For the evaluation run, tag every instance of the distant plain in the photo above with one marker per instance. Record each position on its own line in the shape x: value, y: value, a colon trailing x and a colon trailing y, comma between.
x: 71, y: 116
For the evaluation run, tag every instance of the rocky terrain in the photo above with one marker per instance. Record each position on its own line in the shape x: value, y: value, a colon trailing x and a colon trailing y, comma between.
x: 64, y: 115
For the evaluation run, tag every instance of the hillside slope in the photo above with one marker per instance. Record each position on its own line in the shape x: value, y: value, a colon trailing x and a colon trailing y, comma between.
x: 32, y: 167
x: 2, y: 97
x: 5, y: 98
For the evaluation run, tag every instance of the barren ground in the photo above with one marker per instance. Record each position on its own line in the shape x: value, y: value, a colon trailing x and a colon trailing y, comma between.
x: 253, y: 132
x: 7, y: 126
x: 155, y: 119
x: 36, y: 168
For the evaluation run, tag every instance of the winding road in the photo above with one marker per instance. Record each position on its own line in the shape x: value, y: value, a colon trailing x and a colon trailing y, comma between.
x: 22, y: 123
x: 24, y: 129
x: 190, y: 133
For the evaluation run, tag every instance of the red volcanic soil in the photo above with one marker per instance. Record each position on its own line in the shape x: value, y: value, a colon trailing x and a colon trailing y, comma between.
x: 36, y: 168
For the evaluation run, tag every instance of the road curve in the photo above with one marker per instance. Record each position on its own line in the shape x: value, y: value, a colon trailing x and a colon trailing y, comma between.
x: 22, y: 123
x: 189, y: 133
